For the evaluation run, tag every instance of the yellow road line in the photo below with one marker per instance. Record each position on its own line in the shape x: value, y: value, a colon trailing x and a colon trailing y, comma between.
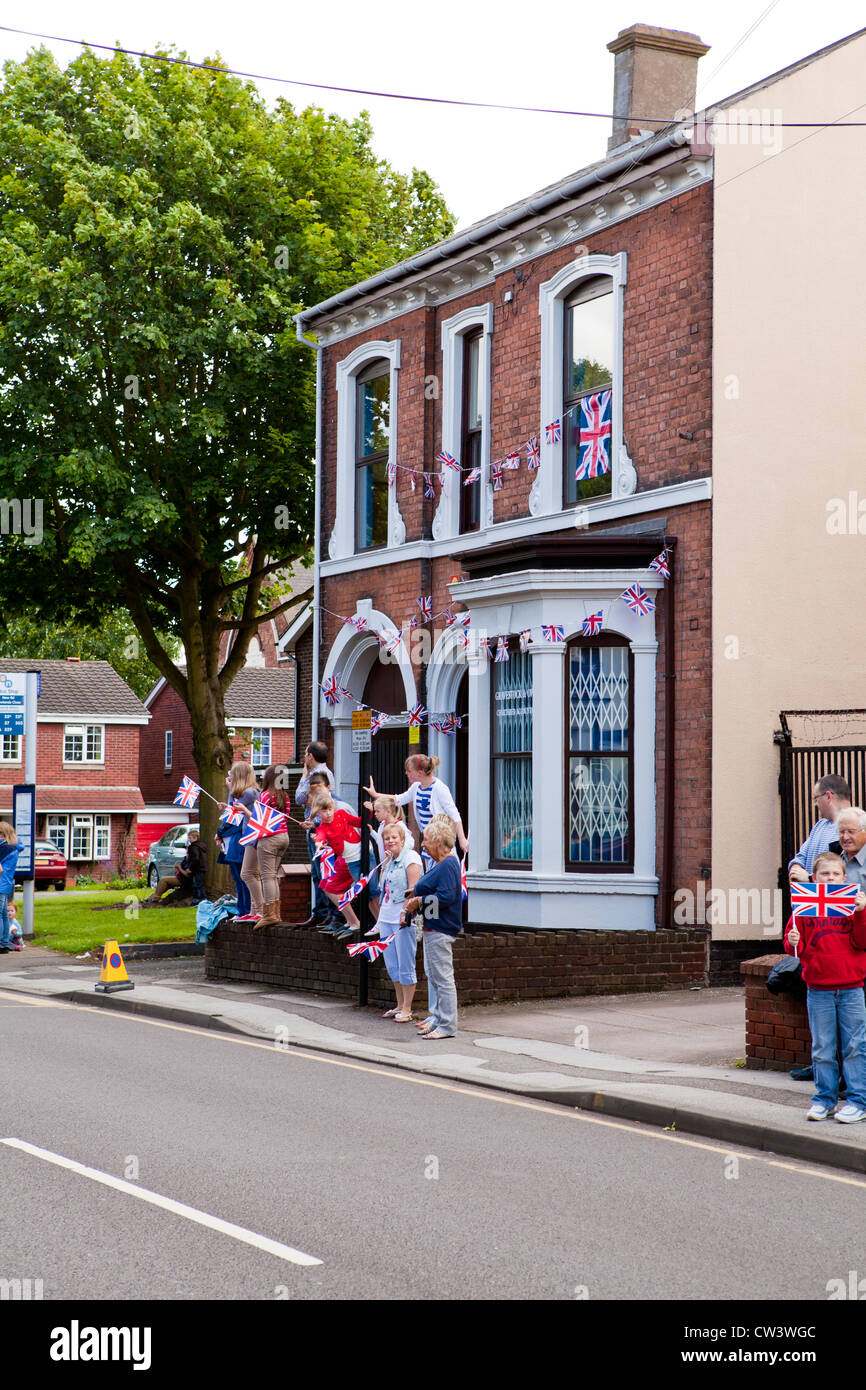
x: 635, y: 1127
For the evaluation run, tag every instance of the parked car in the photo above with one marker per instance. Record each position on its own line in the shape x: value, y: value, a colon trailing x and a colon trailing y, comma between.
x: 166, y: 853
x: 49, y: 865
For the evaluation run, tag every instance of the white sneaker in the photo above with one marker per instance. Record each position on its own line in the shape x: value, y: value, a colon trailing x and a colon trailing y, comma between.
x: 821, y: 1112
x: 849, y: 1113
x: 374, y: 931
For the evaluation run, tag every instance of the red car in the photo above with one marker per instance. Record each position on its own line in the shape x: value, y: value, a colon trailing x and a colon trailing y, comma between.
x: 49, y: 865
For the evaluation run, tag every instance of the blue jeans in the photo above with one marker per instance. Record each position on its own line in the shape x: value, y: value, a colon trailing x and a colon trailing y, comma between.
x: 241, y: 888
x: 439, y: 969
x: 5, y: 938
x: 842, y: 1010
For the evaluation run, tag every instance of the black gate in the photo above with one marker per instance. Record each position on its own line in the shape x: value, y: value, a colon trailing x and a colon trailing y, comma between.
x: 800, y: 769
x: 388, y: 753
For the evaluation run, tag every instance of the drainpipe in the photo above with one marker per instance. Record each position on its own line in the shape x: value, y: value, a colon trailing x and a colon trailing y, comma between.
x: 317, y: 621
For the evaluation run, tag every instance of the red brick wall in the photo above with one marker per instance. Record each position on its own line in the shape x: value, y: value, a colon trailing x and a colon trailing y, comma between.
x: 120, y: 768
x: 777, y: 1027
x: 487, y: 966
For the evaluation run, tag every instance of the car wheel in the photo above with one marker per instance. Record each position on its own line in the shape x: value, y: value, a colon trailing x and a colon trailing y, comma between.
x: 61, y: 887
x: 152, y: 876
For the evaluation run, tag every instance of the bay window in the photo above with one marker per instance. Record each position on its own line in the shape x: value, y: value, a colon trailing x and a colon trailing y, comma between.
x: 511, y: 758
x: 599, y: 774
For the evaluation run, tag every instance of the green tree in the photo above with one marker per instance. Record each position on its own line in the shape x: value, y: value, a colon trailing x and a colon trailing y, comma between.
x: 159, y: 228
x: 115, y: 640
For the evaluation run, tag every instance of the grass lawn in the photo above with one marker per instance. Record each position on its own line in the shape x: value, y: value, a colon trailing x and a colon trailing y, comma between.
x: 66, y: 922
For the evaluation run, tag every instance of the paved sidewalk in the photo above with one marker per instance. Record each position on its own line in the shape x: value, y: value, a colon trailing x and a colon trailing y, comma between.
x: 664, y: 1059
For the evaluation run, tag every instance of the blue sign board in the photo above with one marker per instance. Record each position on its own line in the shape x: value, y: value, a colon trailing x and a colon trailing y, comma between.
x: 12, y: 689
x: 24, y: 821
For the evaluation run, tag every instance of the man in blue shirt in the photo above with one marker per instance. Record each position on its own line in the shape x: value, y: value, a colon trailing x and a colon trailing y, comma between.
x: 830, y: 795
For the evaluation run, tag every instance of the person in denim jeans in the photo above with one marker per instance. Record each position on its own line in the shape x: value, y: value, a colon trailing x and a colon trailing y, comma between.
x: 9, y: 851
x: 833, y: 952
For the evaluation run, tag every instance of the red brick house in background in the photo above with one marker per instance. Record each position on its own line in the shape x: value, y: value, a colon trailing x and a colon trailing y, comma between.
x: 87, y: 797
x: 263, y: 706
x: 577, y: 815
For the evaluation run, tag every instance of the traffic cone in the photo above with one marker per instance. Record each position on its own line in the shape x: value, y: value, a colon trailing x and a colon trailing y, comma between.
x: 112, y: 976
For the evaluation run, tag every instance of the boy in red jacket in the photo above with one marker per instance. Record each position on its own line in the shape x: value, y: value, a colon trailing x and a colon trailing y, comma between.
x: 833, y: 953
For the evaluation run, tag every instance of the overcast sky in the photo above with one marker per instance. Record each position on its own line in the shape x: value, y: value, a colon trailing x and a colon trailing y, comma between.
x: 550, y: 53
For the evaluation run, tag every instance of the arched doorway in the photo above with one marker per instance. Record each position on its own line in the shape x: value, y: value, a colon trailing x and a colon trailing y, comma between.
x: 384, y: 691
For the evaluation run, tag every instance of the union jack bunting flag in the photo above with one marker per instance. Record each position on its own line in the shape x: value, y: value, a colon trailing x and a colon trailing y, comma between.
x: 353, y: 892
x: 429, y: 490
x: 187, y: 793
x: 463, y: 619
x: 264, y: 820
x: 378, y: 720
x: 359, y: 623
x: 496, y: 475
x: 472, y: 477
x: 525, y: 639
x: 392, y: 644
x: 447, y: 724
x: 660, y: 565
x: 371, y: 949
x: 512, y: 462
x: 823, y: 899
x: 437, y: 725
x: 593, y: 450
x: 592, y: 624
x: 638, y: 600
x: 392, y: 474
x: 464, y: 639
x: 332, y: 691
x: 485, y: 647
x: 413, y: 622
x: 412, y: 480
x: 448, y: 616
x: 502, y: 653
x: 426, y: 606
x: 553, y: 432
x: 457, y: 720
x: 416, y: 716
x: 448, y: 460
x: 532, y: 453
x: 553, y: 632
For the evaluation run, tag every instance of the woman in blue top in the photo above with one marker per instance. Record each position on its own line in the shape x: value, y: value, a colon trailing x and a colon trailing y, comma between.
x: 230, y: 834
x: 439, y: 894
x: 9, y: 851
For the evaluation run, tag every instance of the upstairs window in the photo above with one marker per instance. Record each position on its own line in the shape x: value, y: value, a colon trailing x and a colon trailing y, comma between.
x: 587, y: 443
x: 472, y: 416
x: 10, y: 748
x: 83, y: 743
x: 372, y: 444
x: 169, y: 739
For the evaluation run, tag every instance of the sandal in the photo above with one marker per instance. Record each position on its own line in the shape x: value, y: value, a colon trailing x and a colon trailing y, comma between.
x: 402, y: 1018
x: 391, y: 1013
x: 435, y: 1033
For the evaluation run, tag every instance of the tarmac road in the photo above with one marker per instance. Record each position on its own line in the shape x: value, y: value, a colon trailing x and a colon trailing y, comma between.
x: 401, y: 1185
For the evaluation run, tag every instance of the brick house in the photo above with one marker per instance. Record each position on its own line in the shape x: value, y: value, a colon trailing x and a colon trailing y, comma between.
x: 87, y: 797
x: 582, y: 767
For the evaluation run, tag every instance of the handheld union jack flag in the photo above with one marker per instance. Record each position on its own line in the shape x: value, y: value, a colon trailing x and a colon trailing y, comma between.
x: 512, y: 462
x: 660, y: 565
x: 371, y: 949
x: 638, y: 600
x: 429, y: 490
x: 472, y: 477
x: 823, y: 899
x: 264, y: 820
x: 234, y: 815
x: 593, y: 451
x: 416, y: 716
x: 553, y: 432
x: 553, y: 632
x: 463, y: 888
x: 426, y: 606
x: 502, y: 653
x: 496, y: 475
x: 525, y: 638
x: 357, y: 888
x: 187, y: 793
x: 328, y: 860
x: 592, y: 624
x: 532, y: 453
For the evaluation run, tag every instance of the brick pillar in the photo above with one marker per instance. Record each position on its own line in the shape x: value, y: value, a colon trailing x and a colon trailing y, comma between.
x: 294, y: 892
x: 777, y: 1026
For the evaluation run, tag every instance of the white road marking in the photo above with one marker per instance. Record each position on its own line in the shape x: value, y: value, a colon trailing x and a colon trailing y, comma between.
x: 227, y: 1228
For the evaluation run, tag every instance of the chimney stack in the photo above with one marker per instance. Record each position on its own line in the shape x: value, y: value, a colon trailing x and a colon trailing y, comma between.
x: 655, y: 74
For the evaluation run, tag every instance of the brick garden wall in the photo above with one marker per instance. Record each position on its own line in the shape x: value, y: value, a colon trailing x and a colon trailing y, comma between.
x: 777, y: 1027
x: 488, y: 966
